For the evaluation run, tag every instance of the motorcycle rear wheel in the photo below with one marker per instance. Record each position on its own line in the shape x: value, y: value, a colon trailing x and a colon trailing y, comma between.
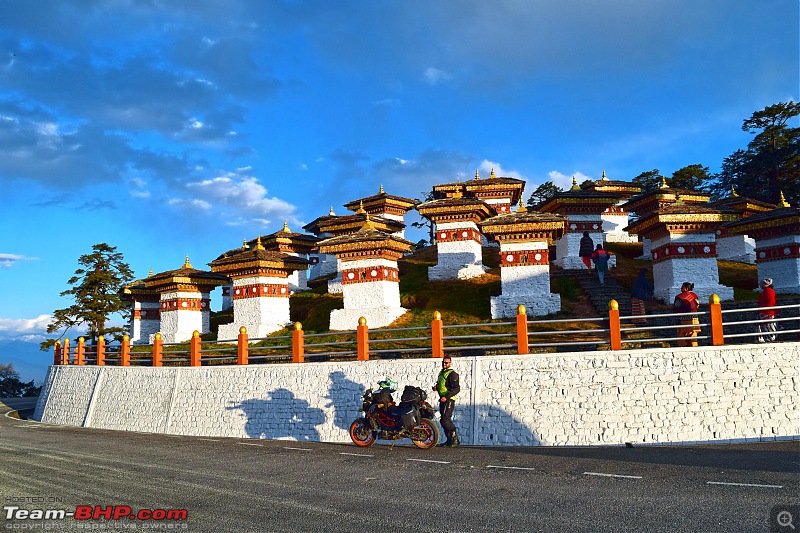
x: 361, y: 433
x: 429, y: 430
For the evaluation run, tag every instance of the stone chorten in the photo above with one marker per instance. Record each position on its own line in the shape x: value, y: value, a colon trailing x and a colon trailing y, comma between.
x: 740, y: 248
x: 500, y: 193
x: 650, y: 202
x: 777, y: 237
x: 370, y: 279
x: 458, y: 239
x: 146, y: 311
x: 291, y: 243
x: 260, y: 290
x: 584, y: 208
x: 524, y: 239
x: 684, y: 248
x: 321, y: 264
x: 384, y: 205
x: 615, y: 218
x: 185, y: 300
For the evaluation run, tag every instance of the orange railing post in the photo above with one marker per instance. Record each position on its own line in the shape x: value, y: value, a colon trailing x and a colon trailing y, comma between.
x: 66, y: 359
x: 157, y: 350
x: 362, y: 340
x: 58, y: 358
x: 715, y: 314
x: 101, y: 350
x: 242, y: 347
x: 614, y: 325
x: 125, y: 351
x: 522, y: 330
x: 80, y: 352
x: 298, y: 344
x: 437, y: 336
x: 195, y: 349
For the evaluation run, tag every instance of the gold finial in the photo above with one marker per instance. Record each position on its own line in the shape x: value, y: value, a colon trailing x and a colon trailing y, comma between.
x: 457, y: 194
x: 368, y: 224
x: 437, y: 315
x: 575, y: 186
x: 285, y: 227
x: 187, y: 264
x: 150, y: 275
x: 613, y: 305
x: 522, y: 208
x: 360, y: 210
x: 242, y: 330
x: 521, y: 310
x: 664, y: 183
x: 713, y: 299
x: 259, y: 246
x: 678, y: 199
x: 362, y: 321
x: 733, y: 191
x: 477, y: 176
x: 298, y: 326
x: 492, y: 176
x: 783, y: 202
x: 244, y: 245
x: 604, y: 177
x: 380, y: 191
x: 195, y: 334
x: 331, y: 213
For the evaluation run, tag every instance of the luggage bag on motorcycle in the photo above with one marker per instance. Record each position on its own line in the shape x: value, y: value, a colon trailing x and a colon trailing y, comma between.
x: 382, y: 396
x: 409, y: 415
x: 413, y: 395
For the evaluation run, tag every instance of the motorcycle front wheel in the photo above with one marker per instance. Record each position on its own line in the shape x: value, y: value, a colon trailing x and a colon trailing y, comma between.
x: 426, y: 434
x: 361, y: 433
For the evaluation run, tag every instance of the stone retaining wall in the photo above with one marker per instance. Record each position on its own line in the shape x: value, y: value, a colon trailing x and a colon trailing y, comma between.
x: 678, y: 395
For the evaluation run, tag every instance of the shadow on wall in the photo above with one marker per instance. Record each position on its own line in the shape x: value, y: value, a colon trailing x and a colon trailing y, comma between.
x: 281, y: 415
x: 495, y: 427
x: 345, y: 396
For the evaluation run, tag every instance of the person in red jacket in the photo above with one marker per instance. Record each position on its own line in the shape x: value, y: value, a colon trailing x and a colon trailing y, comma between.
x: 687, y: 302
x: 767, y: 316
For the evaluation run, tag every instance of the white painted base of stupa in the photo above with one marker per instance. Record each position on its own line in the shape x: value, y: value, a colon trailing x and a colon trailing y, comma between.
x: 298, y: 281
x: 621, y: 236
x: 327, y: 265
x: 613, y: 228
x: 785, y: 275
x: 535, y: 304
x: 179, y: 326
x: 669, y: 275
x: 647, y: 246
x: 452, y: 272
x: 377, y: 317
x: 739, y: 248
x: 230, y: 332
x: 703, y: 292
x: 568, y: 246
x: 141, y: 330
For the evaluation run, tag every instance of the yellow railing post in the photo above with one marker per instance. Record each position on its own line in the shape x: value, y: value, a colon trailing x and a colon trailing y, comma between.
x: 125, y: 351
x: 58, y: 357
x: 66, y: 353
x: 298, y: 343
x: 715, y: 315
x: 437, y: 336
x: 242, y: 347
x: 195, y: 349
x: 362, y: 340
x: 614, y: 325
x: 522, y: 330
x: 101, y: 350
x: 80, y: 352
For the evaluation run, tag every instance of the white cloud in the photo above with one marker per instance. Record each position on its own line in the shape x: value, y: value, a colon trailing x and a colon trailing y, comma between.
x: 486, y: 167
x: 25, y: 326
x: 434, y: 76
x: 8, y: 260
x: 564, y: 181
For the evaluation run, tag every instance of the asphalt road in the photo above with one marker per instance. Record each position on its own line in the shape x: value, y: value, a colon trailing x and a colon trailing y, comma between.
x: 257, y: 485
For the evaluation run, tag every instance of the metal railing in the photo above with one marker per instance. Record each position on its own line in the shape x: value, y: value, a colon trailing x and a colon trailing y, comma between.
x: 522, y: 336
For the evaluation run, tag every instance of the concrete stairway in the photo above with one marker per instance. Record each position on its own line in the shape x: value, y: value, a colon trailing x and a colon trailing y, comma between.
x: 599, y: 295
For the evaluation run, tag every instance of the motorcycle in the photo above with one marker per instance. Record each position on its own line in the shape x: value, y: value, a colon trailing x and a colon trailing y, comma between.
x: 412, y: 419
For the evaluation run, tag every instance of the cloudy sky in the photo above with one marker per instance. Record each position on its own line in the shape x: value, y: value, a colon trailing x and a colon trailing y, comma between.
x: 177, y: 127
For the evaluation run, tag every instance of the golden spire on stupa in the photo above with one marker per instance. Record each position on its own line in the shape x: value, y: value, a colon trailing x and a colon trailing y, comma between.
x: 733, y: 191
x: 492, y: 176
x: 477, y: 176
x: 664, y: 183
x: 783, y: 202
x: 604, y: 177
x: 522, y: 208
x: 678, y: 199
x: 575, y: 186
x: 360, y: 210
x: 331, y: 213
x: 150, y: 275
x: 285, y: 227
x: 380, y: 191
x: 244, y: 245
x: 259, y: 246
x: 187, y: 264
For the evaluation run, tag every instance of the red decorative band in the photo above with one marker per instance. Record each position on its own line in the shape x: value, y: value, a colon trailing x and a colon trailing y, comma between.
x: 146, y: 314
x: 365, y: 275
x: 524, y: 258
x: 580, y: 227
x: 689, y: 250
x: 502, y: 208
x: 185, y: 304
x: 776, y: 253
x: 454, y: 235
x: 259, y: 290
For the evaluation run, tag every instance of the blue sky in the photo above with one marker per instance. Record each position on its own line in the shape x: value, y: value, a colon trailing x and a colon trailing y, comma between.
x: 168, y: 128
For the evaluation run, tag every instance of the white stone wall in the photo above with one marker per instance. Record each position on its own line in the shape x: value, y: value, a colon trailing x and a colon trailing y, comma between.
x: 739, y: 248
x: 457, y: 259
x: 785, y: 273
x: 670, y: 274
x: 179, y: 325
x: 675, y: 395
x: 141, y: 329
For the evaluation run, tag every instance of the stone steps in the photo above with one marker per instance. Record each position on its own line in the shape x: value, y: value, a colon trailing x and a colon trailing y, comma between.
x: 599, y: 295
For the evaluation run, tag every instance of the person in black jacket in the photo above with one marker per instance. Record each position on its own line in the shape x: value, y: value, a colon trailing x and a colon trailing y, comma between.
x: 447, y: 387
x: 585, y: 249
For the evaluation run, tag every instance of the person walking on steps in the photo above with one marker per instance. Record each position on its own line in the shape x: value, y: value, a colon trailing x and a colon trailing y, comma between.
x: 766, y: 325
x: 447, y: 387
x: 600, y: 258
x: 585, y: 250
